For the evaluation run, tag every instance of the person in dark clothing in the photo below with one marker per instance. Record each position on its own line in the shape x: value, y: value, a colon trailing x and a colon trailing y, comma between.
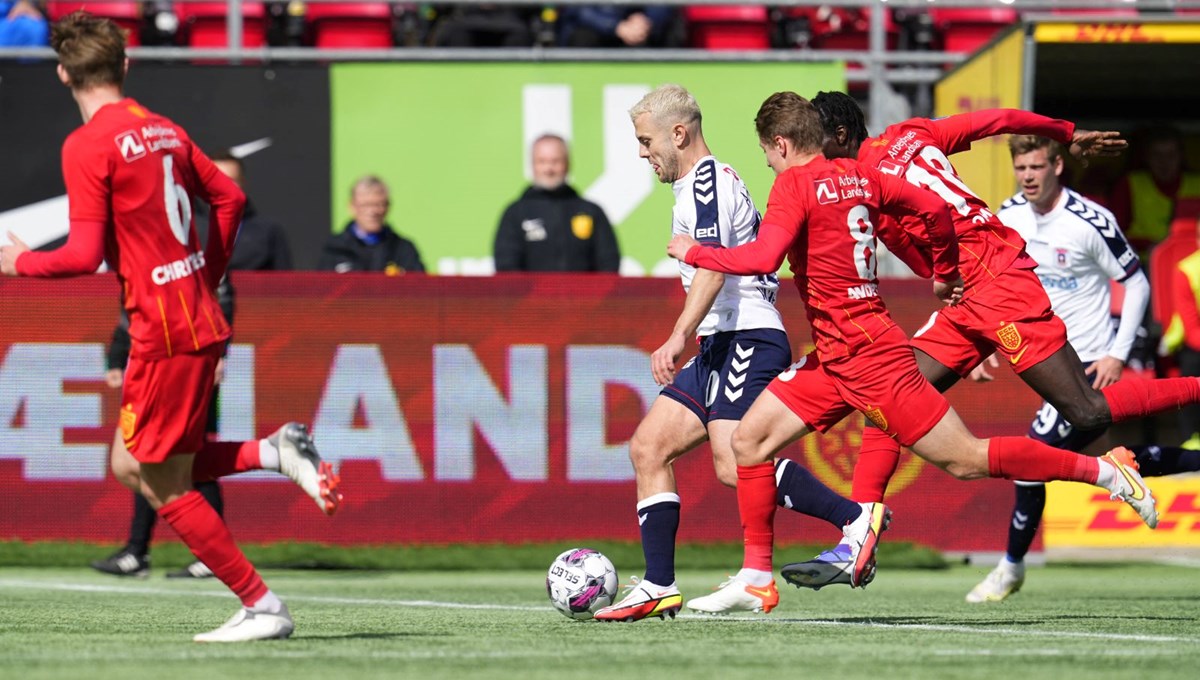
x: 368, y: 243
x: 262, y: 243
x: 551, y: 228
x: 619, y: 26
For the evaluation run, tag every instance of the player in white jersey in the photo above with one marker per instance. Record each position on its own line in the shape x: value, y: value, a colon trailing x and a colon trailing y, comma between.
x: 742, y: 347
x: 1079, y: 250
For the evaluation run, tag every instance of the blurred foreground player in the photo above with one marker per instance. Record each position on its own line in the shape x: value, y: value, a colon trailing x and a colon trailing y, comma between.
x: 130, y: 175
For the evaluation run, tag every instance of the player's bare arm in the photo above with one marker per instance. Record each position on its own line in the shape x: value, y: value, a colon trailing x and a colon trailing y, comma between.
x: 10, y: 253
x: 705, y: 287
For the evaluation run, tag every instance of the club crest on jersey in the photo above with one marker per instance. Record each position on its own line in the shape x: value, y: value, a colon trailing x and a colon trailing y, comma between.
x: 130, y: 145
x: 127, y: 422
x: 581, y: 226
x: 876, y: 416
x: 1060, y: 256
x: 826, y: 191
x: 1010, y: 337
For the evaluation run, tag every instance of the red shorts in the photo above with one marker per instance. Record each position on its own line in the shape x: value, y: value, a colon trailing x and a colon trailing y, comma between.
x: 882, y: 381
x: 1010, y: 315
x: 165, y: 404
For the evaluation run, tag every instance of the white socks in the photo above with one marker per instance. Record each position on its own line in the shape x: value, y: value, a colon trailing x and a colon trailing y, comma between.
x: 755, y: 577
x: 267, y: 604
x: 268, y: 456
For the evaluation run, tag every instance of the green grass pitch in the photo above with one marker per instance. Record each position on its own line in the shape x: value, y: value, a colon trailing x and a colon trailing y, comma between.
x: 1090, y: 621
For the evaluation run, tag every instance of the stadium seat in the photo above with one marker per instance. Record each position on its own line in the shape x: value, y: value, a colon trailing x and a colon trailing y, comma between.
x: 127, y: 15
x: 728, y: 27
x: 966, y: 30
x: 359, y: 25
x: 843, y: 28
x: 204, y: 23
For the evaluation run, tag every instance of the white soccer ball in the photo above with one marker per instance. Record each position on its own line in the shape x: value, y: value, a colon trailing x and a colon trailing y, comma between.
x: 581, y: 581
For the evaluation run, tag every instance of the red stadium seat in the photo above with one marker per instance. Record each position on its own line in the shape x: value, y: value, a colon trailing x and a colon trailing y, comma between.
x: 204, y: 23
x: 360, y: 25
x: 728, y: 27
x: 127, y: 15
x: 843, y: 28
x: 966, y: 30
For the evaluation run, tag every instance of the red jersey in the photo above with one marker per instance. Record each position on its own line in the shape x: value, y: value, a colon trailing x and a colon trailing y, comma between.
x: 131, y: 175
x: 917, y: 150
x: 822, y: 216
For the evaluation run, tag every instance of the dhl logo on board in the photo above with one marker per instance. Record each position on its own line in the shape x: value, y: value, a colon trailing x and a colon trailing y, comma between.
x: 1082, y: 516
x: 1117, y: 33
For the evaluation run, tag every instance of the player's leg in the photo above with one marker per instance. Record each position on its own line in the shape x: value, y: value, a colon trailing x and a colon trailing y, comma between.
x: 160, y: 429
x: 879, y: 454
x: 668, y: 431
x: 290, y: 450
x: 211, y: 491
x: 1161, y: 461
x: 1050, y: 428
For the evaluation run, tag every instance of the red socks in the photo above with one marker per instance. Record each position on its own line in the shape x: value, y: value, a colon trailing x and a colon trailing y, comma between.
x: 1032, y: 461
x: 221, y: 459
x: 206, y: 535
x: 876, y: 464
x: 756, y: 505
x: 1132, y: 398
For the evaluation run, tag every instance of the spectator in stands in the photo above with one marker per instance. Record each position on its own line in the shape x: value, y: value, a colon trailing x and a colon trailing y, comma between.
x: 23, y: 25
x: 550, y: 228
x: 1144, y: 199
x: 368, y: 243
x: 619, y: 26
x: 485, y: 26
x: 1184, y: 330
x: 262, y: 243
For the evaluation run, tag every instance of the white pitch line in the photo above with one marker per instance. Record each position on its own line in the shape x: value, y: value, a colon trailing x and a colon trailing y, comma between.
x: 375, y: 602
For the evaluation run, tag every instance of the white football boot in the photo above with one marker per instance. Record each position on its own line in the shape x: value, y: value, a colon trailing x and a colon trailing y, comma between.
x: 1128, y: 485
x: 299, y: 460
x: 1006, y: 579
x: 735, y: 595
x: 247, y: 625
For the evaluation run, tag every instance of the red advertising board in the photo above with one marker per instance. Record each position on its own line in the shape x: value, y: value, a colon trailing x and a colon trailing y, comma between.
x: 456, y: 410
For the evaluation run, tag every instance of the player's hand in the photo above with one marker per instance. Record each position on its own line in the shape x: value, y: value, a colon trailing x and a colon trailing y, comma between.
x: 680, y: 245
x: 662, y: 362
x: 113, y: 377
x: 949, y: 292
x: 219, y: 372
x: 10, y: 253
x: 1105, y: 371
x: 980, y: 373
x: 1096, y: 143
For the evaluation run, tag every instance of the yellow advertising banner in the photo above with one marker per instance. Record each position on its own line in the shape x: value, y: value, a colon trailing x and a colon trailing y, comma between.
x: 1083, y: 516
x: 1108, y: 32
x: 992, y: 79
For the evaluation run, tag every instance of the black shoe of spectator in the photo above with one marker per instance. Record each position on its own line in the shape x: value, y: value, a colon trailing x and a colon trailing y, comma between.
x: 124, y: 563
x: 196, y: 569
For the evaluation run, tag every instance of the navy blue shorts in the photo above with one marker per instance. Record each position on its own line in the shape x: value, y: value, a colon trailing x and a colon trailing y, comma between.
x: 730, y: 371
x: 1049, y: 427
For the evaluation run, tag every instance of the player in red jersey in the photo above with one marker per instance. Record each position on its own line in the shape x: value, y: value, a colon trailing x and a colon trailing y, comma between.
x: 1005, y: 308
x: 130, y: 175
x: 822, y: 215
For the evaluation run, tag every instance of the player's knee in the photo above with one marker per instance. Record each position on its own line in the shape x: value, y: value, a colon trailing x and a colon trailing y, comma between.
x: 1092, y: 415
x: 966, y: 469
x: 747, y: 446
x: 644, y: 452
x: 126, y: 472
x: 727, y: 474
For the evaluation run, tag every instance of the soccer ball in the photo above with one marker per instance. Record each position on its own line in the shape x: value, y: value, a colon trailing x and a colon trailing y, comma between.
x: 581, y: 581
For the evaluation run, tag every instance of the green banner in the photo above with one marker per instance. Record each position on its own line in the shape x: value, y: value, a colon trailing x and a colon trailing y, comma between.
x: 451, y: 141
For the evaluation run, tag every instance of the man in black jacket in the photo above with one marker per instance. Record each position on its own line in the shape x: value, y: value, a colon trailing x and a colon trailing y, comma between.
x: 368, y: 243
x: 551, y: 228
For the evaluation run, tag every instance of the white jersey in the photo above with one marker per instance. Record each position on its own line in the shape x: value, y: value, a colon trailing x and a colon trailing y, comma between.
x: 1079, y: 248
x: 713, y: 206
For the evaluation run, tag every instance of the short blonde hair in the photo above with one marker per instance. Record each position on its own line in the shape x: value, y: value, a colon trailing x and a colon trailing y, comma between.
x: 668, y: 104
